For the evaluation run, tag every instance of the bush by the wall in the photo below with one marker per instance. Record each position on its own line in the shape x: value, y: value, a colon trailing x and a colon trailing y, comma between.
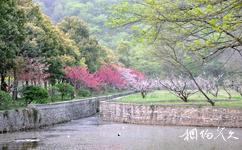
x: 65, y: 89
x: 53, y: 93
x: 84, y: 93
x: 5, y: 100
x: 35, y: 94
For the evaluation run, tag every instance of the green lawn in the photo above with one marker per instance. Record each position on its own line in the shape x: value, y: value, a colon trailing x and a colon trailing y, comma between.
x: 165, y: 97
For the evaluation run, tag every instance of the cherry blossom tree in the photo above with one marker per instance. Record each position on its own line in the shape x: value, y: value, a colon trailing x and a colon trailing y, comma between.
x: 211, y: 84
x: 234, y: 84
x: 179, y: 86
x: 35, y: 71
x: 227, y: 87
x: 80, y: 75
x: 136, y: 80
x: 109, y: 75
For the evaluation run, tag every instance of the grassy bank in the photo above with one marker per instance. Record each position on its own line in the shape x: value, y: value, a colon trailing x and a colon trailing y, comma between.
x: 165, y: 97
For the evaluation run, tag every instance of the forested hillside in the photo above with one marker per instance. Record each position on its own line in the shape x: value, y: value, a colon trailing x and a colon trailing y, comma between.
x: 94, y: 12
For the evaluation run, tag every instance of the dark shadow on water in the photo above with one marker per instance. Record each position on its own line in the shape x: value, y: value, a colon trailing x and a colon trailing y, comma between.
x: 22, y: 144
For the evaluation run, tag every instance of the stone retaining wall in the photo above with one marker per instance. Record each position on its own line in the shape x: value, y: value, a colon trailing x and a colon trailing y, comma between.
x: 171, y: 115
x: 35, y: 116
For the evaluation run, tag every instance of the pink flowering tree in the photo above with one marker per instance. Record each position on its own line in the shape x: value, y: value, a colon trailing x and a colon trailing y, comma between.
x: 136, y: 80
x: 81, y: 76
x: 110, y: 76
x: 35, y: 71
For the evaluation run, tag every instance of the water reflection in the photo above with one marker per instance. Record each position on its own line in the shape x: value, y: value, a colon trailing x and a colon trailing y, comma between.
x: 94, y: 134
x: 23, y: 144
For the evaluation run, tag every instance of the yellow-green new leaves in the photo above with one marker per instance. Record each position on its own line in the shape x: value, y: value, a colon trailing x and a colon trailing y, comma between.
x: 194, y: 22
x: 12, y: 33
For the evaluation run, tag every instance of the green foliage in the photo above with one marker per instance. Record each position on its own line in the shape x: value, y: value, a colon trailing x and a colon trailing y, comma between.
x: 184, y: 34
x: 35, y: 94
x: 198, y: 22
x: 26, y: 32
x: 65, y: 89
x: 89, y: 48
x: 84, y: 93
x: 12, y: 33
x: 5, y: 99
x: 143, y: 60
x: 76, y: 28
x: 55, y: 69
x: 44, y: 39
x: 94, y: 12
x: 124, y: 51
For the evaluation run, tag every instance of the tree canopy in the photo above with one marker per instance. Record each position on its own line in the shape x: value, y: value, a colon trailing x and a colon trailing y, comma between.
x: 206, y: 28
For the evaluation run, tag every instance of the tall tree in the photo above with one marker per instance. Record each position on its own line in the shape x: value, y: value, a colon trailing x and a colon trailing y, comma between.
x: 46, y: 40
x: 89, y: 47
x: 12, y: 35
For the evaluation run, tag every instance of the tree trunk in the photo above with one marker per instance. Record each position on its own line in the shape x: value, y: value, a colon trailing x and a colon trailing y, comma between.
x: 27, y: 83
x: 52, y: 93
x: 227, y: 92
x: 194, y: 80
x: 9, y: 81
x: 184, y: 99
x: 45, y: 84
x: 3, y: 83
x: 197, y: 85
x: 143, y: 93
x: 200, y: 89
x: 15, y: 85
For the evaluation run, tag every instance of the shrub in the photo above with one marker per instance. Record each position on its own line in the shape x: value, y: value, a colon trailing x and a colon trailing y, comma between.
x: 35, y: 94
x: 5, y: 99
x: 53, y: 92
x: 84, y: 93
x: 65, y: 89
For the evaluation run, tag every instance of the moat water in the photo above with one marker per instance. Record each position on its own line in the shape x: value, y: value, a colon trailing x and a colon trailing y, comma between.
x: 93, y: 134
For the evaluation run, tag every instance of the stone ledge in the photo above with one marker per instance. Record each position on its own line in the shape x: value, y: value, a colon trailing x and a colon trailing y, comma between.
x: 40, y: 115
x: 180, y: 115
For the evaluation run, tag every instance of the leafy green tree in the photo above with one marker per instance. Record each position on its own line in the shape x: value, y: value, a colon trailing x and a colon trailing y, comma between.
x: 46, y: 40
x: 27, y: 33
x: 144, y: 61
x: 206, y: 28
x: 12, y: 35
x: 65, y: 89
x: 94, y: 12
x: 77, y: 30
x: 55, y: 70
